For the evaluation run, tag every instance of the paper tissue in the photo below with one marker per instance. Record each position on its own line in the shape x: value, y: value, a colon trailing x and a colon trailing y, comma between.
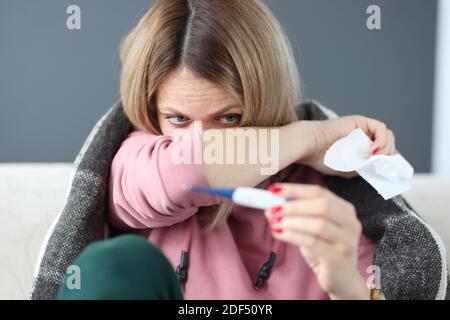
x: 389, y: 175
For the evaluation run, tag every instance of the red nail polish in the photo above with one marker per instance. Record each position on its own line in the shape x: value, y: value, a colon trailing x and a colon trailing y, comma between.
x: 277, y: 231
x: 275, y: 209
x: 275, y: 220
x: 374, y: 151
x: 274, y: 189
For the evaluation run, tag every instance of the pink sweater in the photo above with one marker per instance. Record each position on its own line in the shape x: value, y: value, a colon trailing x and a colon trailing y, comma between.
x: 145, y: 198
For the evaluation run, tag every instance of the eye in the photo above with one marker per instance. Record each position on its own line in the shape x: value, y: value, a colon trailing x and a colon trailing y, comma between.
x: 229, y: 118
x: 176, y: 120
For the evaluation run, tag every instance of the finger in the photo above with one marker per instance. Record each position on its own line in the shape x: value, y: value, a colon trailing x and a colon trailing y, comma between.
x: 389, y: 147
x: 315, y: 207
x: 392, y: 148
x: 375, y: 129
x: 297, y: 190
x: 318, y: 227
x: 313, y: 248
x: 381, y: 138
x: 310, y: 247
x: 368, y: 125
x: 329, y: 206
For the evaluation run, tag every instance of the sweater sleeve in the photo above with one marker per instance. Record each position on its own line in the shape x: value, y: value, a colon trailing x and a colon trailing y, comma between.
x: 146, y: 179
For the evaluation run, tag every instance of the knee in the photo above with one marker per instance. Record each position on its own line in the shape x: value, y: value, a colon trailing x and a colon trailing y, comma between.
x: 124, y: 249
x: 124, y: 267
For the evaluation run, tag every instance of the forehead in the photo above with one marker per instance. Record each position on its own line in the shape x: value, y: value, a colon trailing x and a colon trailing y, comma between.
x: 183, y: 90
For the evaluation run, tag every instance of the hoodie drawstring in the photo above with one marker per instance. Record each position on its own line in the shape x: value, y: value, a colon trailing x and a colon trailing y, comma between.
x: 266, y: 268
x: 182, y: 270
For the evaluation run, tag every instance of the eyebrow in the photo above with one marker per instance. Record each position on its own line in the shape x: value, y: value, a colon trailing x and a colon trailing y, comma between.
x: 224, y: 109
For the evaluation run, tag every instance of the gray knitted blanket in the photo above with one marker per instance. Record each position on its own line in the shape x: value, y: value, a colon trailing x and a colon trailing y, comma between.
x: 410, y: 257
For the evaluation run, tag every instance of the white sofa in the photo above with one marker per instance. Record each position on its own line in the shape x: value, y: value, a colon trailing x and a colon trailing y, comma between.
x: 31, y: 195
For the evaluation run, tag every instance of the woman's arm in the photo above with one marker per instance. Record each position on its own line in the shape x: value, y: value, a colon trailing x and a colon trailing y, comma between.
x: 145, y: 184
x: 148, y: 173
x: 274, y: 148
x: 304, y: 142
x: 147, y: 177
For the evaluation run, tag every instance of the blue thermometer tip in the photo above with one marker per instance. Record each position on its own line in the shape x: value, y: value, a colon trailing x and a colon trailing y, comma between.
x: 222, y: 192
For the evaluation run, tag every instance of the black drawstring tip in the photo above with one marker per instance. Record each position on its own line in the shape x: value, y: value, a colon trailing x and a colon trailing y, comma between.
x: 181, y: 271
x: 264, y: 272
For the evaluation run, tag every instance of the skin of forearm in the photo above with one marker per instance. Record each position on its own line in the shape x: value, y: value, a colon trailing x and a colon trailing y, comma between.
x: 294, y: 142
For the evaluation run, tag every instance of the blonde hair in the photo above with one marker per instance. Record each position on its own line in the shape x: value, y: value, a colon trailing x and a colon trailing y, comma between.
x: 237, y: 44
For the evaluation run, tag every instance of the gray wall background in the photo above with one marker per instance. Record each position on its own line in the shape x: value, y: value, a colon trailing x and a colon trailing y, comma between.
x: 56, y: 83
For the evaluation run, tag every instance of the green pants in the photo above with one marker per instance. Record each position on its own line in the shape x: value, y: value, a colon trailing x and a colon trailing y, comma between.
x: 125, y: 267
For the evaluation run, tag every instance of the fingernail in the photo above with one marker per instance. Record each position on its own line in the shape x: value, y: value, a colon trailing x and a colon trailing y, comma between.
x: 277, y: 231
x: 275, y: 212
x: 374, y: 151
x: 274, y: 189
x: 275, y: 209
x: 275, y: 220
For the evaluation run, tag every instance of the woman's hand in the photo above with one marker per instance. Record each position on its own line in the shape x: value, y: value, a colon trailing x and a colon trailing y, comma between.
x: 324, y: 133
x: 327, y: 231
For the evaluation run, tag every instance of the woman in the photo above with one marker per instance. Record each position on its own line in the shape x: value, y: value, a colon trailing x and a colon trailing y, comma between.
x: 226, y: 66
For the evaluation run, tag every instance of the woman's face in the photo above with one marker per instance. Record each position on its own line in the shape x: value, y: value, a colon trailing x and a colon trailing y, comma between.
x: 183, y: 98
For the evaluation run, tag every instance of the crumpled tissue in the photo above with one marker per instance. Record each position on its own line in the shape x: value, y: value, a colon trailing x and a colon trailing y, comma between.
x: 389, y: 175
